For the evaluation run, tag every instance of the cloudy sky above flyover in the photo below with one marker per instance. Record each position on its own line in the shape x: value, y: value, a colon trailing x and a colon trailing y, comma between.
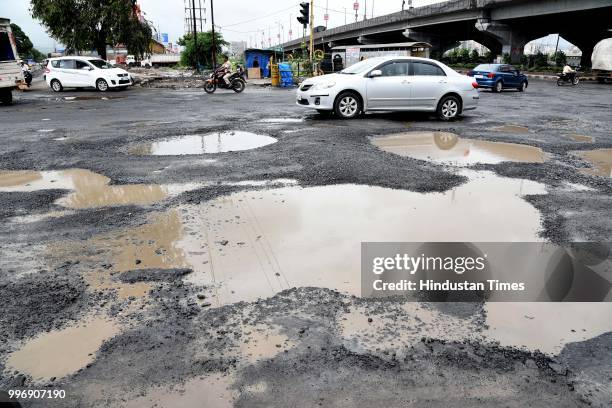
x: 247, y: 20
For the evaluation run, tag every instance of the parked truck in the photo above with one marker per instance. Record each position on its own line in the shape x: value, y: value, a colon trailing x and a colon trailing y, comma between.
x: 602, y: 61
x: 11, y: 75
x: 154, y: 60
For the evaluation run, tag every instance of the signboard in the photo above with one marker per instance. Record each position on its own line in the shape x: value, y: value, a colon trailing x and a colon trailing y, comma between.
x: 352, y: 56
x: 356, y: 6
x: 165, y: 38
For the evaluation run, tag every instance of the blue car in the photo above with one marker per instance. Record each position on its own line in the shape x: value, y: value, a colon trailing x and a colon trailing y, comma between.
x: 498, y: 77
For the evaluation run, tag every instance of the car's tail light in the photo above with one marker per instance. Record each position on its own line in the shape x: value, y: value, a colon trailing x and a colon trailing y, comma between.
x: 491, y: 75
x: 47, y: 70
x: 475, y: 85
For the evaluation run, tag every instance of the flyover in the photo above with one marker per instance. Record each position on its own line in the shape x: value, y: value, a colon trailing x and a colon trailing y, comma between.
x: 503, y: 26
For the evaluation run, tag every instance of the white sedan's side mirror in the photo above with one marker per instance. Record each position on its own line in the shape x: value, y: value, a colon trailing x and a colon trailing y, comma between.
x: 375, y: 73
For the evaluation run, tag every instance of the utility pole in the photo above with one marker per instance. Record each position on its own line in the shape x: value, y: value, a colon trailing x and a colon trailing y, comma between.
x: 365, y: 10
x: 344, y: 15
x: 214, y: 43
x: 312, y: 32
x: 195, y: 35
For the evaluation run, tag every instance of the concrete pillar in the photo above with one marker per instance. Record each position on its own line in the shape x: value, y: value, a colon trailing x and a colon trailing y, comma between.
x: 512, y: 42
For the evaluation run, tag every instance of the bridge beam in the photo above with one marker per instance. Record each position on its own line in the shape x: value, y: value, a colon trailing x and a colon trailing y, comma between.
x: 511, y: 40
x: 362, y: 39
x: 439, y: 43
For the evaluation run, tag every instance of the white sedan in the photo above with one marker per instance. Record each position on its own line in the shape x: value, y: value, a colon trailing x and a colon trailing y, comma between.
x: 391, y: 84
x: 84, y: 72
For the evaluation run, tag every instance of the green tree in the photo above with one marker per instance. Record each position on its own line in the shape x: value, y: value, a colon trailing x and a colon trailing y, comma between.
x: 24, y: 45
x: 474, y: 56
x: 464, y: 56
x: 540, y: 60
x: 25, y: 48
x: 560, y: 58
x: 204, y: 49
x: 94, y: 24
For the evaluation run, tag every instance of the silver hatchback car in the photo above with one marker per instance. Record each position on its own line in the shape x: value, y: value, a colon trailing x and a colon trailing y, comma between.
x: 391, y: 84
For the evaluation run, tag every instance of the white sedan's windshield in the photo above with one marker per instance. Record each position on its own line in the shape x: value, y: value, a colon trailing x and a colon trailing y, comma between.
x: 362, y: 66
x: 100, y: 64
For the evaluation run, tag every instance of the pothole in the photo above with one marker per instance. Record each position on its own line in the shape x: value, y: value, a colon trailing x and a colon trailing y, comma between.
x: 600, y: 159
x: 443, y: 147
x: 90, y: 190
x: 546, y: 326
x: 281, y: 120
x: 59, y: 353
x: 217, y: 142
x: 580, y: 138
x: 510, y: 129
x: 257, y: 243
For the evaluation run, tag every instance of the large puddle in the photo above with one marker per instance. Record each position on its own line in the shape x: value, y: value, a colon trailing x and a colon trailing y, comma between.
x: 254, y: 244
x: 600, y: 159
x: 443, y: 147
x: 90, y: 190
x: 62, y: 352
x: 217, y: 142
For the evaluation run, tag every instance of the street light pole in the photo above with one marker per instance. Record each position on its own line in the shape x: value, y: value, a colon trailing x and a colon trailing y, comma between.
x: 214, y: 43
x: 195, y: 34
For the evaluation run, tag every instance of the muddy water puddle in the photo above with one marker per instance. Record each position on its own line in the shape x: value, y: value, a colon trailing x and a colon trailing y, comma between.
x: 89, y: 189
x: 510, y: 129
x: 217, y: 142
x: 214, y: 391
x: 600, y: 160
x: 580, y: 138
x: 62, y: 352
x: 255, y: 244
x: 546, y: 326
x: 443, y: 147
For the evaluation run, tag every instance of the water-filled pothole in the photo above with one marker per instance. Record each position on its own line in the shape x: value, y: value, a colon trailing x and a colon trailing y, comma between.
x: 62, y: 352
x: 510, y: 129
x: 217, y: 142
x: 90, y: 190
x: 600, y: 159
x: 443, y: 147
x: 254, y: 244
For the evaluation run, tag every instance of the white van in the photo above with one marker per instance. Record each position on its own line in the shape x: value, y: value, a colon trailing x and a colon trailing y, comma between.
x: 85, y: 72
x: 11, y: 75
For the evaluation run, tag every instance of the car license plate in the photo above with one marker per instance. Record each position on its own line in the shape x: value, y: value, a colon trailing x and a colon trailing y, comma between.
x: 478, y: 76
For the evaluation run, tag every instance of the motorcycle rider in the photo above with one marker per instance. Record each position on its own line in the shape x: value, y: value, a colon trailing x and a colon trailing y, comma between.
x: 27, y: 75
x: 227, y: 69
x: 569, y: 72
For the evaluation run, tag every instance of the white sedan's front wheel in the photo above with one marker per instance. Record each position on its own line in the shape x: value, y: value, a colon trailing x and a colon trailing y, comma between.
x: 449, y: 108
x: 347, y: 105
x: 102, y: 85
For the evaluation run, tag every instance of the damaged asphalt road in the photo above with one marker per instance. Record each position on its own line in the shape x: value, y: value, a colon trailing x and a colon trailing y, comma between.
x: 144, y: 272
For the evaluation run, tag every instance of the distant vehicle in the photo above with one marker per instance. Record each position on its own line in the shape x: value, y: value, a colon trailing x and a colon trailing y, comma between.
x: 391, y: 84
x: 602, y: 61
x: 85, y: 72
x: 568, y: 79
x: 11, y: 75
x: 498, y: 77
x: 160, y: 60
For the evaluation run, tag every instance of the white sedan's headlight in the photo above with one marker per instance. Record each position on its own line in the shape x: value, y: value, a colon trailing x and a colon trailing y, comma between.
x: 324, y: 85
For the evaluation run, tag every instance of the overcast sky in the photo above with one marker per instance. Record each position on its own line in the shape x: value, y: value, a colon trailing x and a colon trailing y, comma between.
x: 248, y: 20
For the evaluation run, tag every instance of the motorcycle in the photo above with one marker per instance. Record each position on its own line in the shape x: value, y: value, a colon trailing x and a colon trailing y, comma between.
x: 571, y: 79
x: 236, y: 82
x: 27, y: 75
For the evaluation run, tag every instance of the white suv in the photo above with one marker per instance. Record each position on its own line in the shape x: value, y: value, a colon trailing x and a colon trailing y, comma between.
x: 391, y: 84
x: 85, y: 72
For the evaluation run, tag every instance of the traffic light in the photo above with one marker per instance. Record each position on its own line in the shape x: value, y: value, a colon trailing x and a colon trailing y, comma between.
x: 305, y: 11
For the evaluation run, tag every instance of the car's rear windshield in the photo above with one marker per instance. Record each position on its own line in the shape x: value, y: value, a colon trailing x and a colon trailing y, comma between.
x: 362, y: 66
x: 486, y: 67
x: 100, y: 64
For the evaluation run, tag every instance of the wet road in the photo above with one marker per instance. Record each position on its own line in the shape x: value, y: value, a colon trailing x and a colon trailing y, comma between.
x: 149, y: 222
